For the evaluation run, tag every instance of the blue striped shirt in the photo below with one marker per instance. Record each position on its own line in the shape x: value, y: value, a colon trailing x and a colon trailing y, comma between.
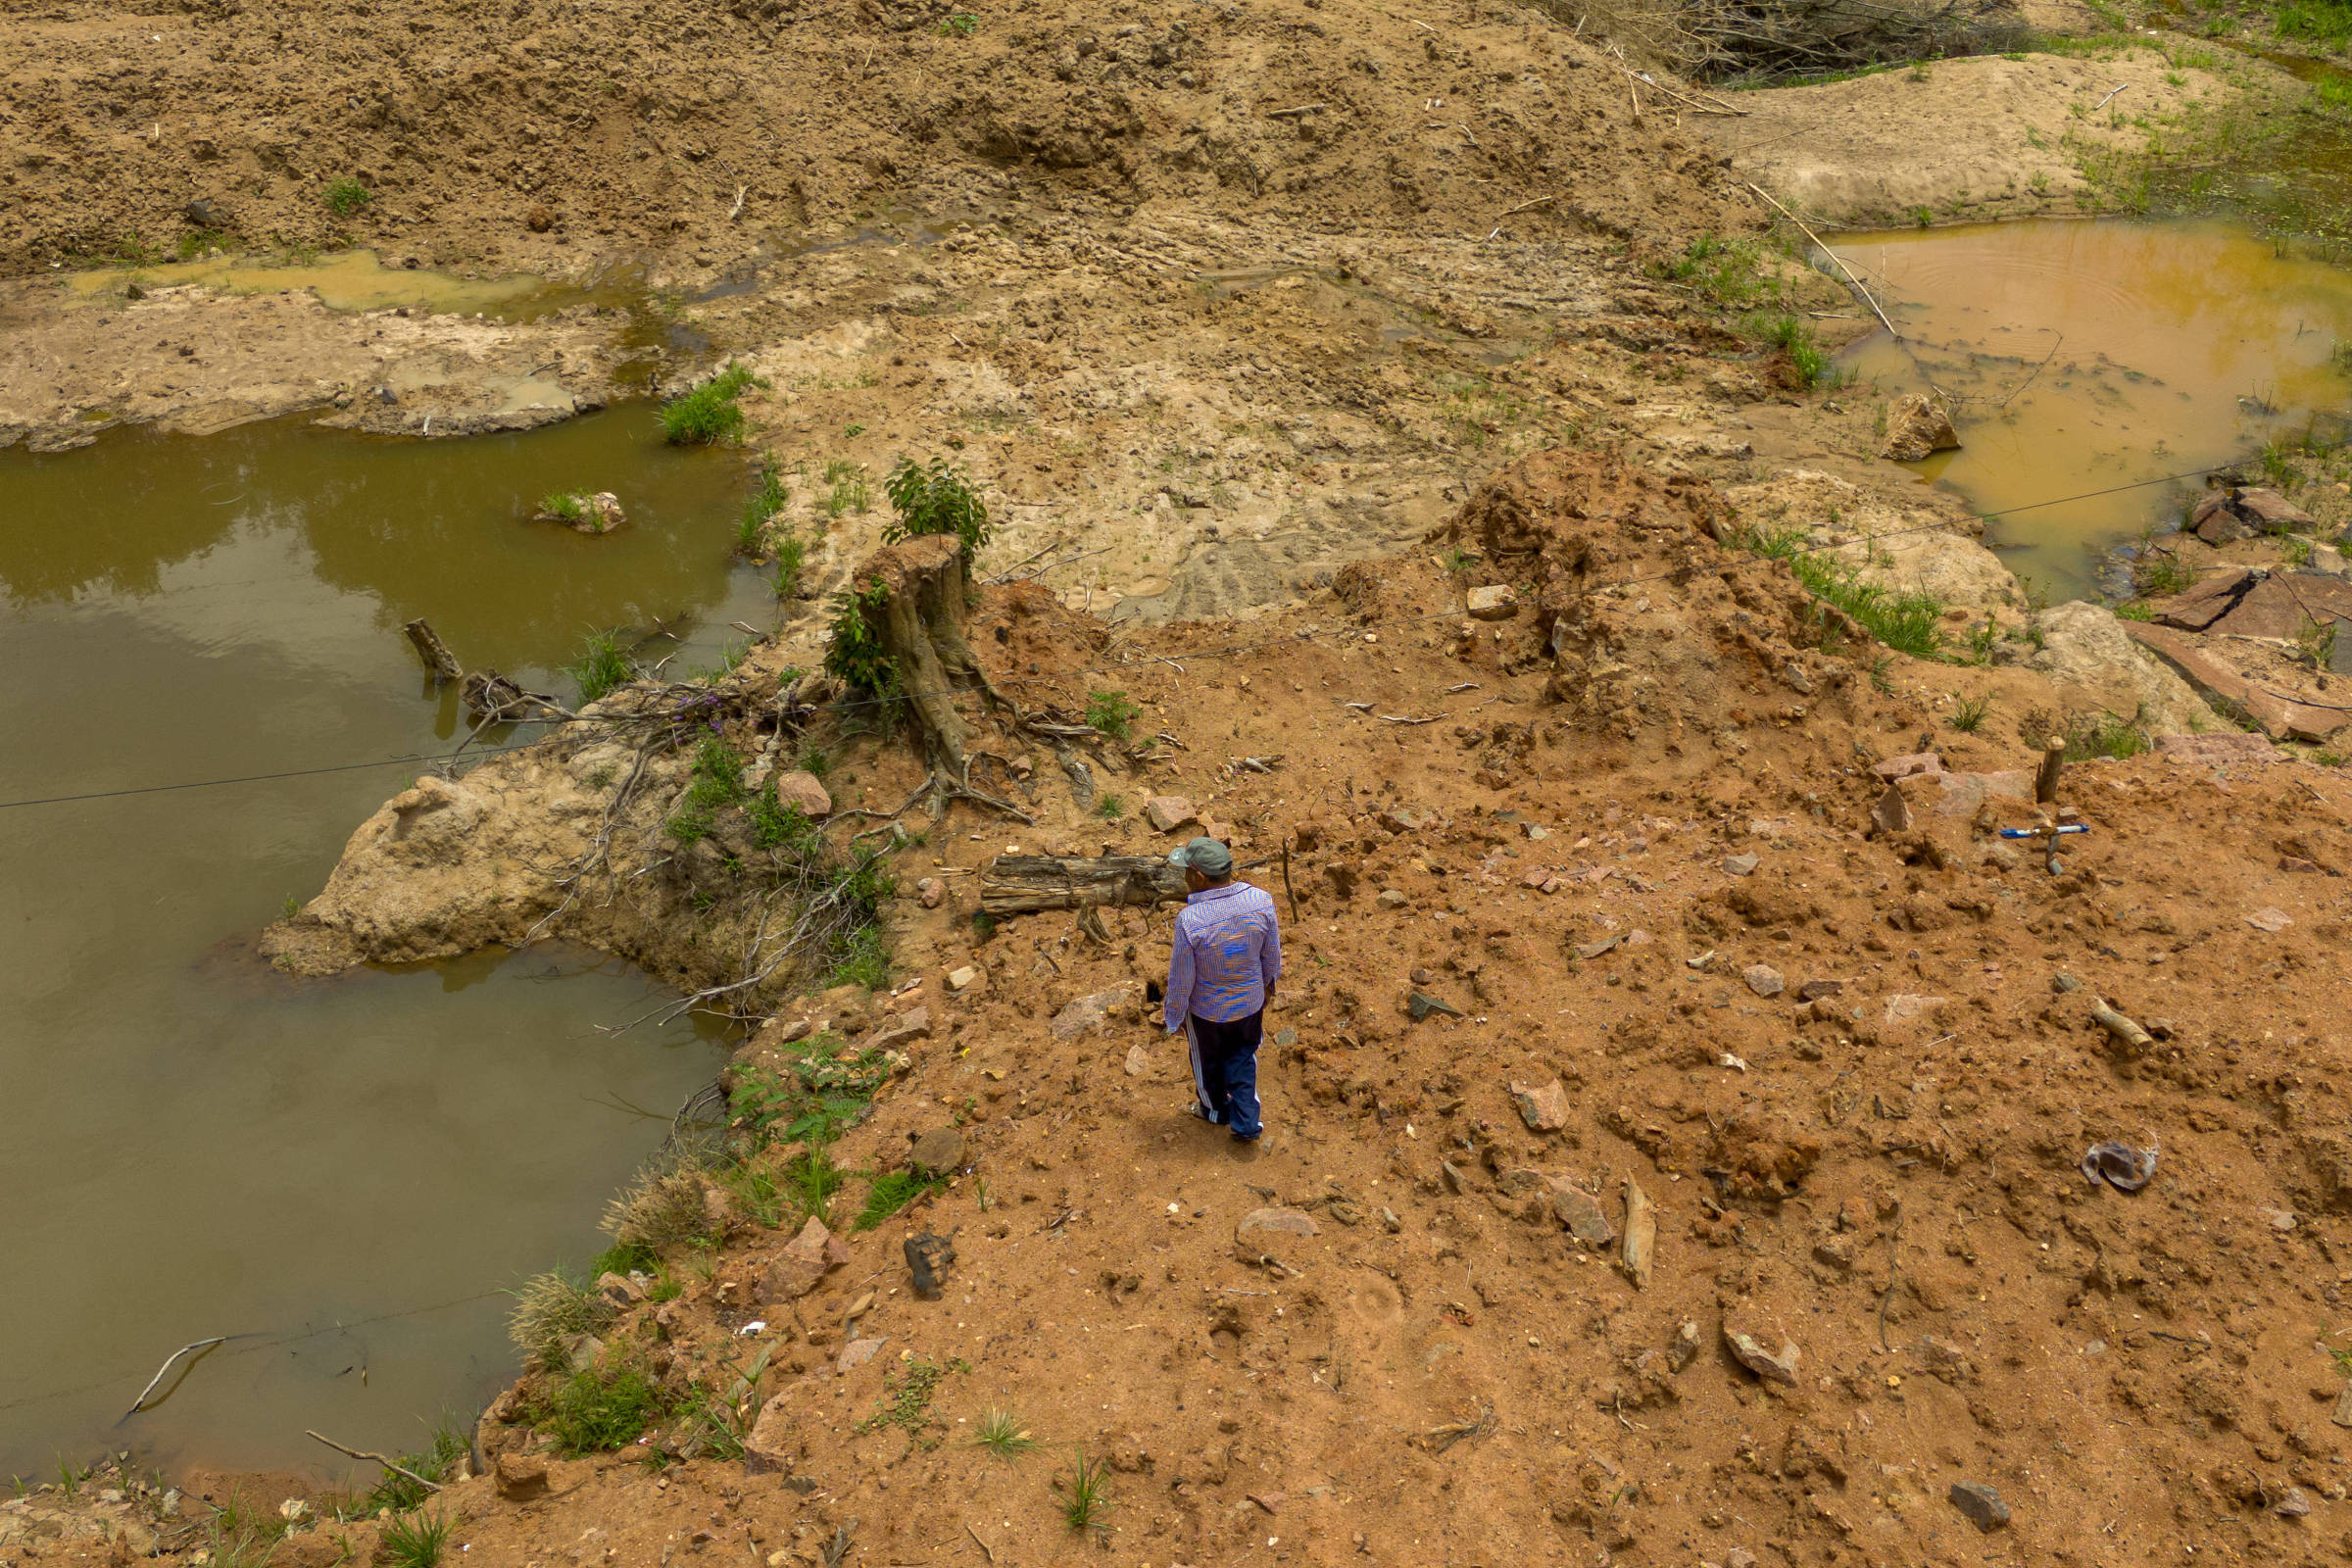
x: 1226, y: 956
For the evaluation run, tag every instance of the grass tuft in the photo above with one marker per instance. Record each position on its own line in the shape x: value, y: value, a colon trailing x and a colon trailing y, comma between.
x: 551, y: 1309
x: 415, y: 1540
x: 346, y: 196
x: 1907, y: 622
x: 598, y: 1408
x: 1967, y: 714
x: 1002, y: 1434
x: 1086, y: 1497
x: 892, y: 1191
x: 603, y: 665
x: 708, y: 414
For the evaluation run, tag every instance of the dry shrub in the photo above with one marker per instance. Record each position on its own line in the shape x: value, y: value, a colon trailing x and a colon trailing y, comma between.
x: 1742, y: 41
x: 661, y: 1209
x: 550, y: 1310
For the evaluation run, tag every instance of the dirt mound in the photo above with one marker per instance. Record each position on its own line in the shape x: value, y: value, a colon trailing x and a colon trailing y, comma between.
x: 547, y: 137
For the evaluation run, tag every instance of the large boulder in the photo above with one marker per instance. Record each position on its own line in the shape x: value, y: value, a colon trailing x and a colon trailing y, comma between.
x: 2094, y: 664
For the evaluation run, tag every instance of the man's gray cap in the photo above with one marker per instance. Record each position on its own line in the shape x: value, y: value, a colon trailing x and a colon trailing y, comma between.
x: 1205, y: 856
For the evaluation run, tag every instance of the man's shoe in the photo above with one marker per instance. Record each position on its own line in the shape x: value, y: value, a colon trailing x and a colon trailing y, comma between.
x: 1199, y: 1113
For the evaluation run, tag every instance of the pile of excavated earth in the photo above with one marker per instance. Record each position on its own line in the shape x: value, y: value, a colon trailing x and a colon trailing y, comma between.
x: 1712, y: 1119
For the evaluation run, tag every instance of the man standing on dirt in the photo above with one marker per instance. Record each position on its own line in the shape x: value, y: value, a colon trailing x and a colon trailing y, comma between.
x: 1226, y: 957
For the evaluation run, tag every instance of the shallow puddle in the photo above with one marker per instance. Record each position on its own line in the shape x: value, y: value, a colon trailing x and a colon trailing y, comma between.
x: 345, y: 1172
x: 2099, y: 356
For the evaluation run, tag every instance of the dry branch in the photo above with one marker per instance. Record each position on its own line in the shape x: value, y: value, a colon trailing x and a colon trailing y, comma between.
x: 1024, y: 884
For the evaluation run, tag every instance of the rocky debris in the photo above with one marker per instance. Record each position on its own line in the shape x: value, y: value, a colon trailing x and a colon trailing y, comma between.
x: 960, y: 980
x: 1904, y: 767
x: 2120, y: 1165
x: 520, y: 1477
x: 1917, y: 427
x: 2294, y: 1506
x: 1752, y: 1346
x: 803, y: 1264
x: 857, y: 1353
x: 1581, y: 1212
x: 1139, y: 1061
x: 1890, y: 813
x: 1641, y: 1249
x: 1763, y: 979
x: 1817, y: 990
x: 1544, y: 1109
x: 2087, y: 652
x: 930, y: 892
x: 1496, y: 602
x: 927, y: 1260
x: 2269, y: 920
x: 1742, y: 864
x: 939, y: 1152
x: 595, y: 514
x: 1980, y: 1504
x: 1262, y: 1229
x: 2225, y: 515
x: 2204, y: 602
x: 1391, y: 899
x: 1168, y: 813
x: 1683, y: 1349
x: 2246, y: 675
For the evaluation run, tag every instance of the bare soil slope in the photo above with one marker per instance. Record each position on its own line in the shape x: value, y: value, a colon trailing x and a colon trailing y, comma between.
x: 1643, y: 850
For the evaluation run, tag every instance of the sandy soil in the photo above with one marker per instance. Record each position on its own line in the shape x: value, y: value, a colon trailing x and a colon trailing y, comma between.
x: 1977, y: 139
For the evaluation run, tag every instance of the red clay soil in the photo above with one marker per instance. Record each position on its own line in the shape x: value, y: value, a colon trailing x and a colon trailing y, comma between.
x: 1853, y: 1070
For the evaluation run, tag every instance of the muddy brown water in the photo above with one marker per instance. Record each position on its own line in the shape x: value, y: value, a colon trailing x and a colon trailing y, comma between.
x: 345, y: 1173
x: 2099, y: 356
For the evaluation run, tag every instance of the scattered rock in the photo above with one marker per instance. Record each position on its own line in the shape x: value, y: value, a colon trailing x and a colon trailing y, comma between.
x: 1544, y: 1109
x: 1088, y: 1013
x: 2294, y: 1506
x: 1139, y: 1061
x: 1917, y: 427
x: 1168, y: 813
x: 1421, y: 1005
x: 1908, y: 765
x: 1683, y: 1349
x: 1905, y: 1008
x: 803, y: 1264
x: 206, y: 213
x: 939, y: 1151
x: 520, y: 1477
x: 1763, y: 979
x: 1341, y: 875
x: 1751, y: 1348
x: 857, y: 1353
x: 1641, y: 1249
x: 539, y: 219
x: 930, y: 892
x: 962, y: 980
x: 1263, y: 1228
x: 1891, y: 814
x: 2271, y: 920
x: 1593, y: 950
x: 1397, y: 819
x: 772, y: 1444
x: 1739, y: 864
x: 1494, y: 603
x: 1981, y: 1505
x: 1815, y: 989
x: 913, y: 1024
x: 1580, y: 1211
x: 927, y: 1260
x: 801, y: 791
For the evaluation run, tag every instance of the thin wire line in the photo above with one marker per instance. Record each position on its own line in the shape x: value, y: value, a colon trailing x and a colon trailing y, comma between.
x: 1213, y: 650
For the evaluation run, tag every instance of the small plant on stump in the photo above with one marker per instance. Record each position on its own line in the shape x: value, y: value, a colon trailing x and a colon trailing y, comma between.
x: 935, y: 500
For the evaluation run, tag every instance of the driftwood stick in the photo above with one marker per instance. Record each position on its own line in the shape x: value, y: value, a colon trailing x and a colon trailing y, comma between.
x: 1540, y: 201
x: 1288, y: 891
x: 2116, y: 1024
x: 2110, y: 96
x: 439, y: 662
x: 1868, y: 298
x: 193, y: 1344
x: 362, y: 1454
x: 1298, y: 108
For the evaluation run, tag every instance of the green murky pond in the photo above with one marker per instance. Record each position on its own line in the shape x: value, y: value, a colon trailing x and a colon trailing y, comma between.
x: 344, y: 1173
x: 2097, y: 360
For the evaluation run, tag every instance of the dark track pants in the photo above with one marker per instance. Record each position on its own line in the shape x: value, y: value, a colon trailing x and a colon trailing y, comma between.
x: 1225, y: 1069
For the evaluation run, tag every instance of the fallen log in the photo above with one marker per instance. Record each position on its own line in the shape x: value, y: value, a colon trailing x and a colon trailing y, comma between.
x: 1025, y: 883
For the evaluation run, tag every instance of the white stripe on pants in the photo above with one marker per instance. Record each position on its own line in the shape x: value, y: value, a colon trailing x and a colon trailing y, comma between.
x: 1200, y: 1080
